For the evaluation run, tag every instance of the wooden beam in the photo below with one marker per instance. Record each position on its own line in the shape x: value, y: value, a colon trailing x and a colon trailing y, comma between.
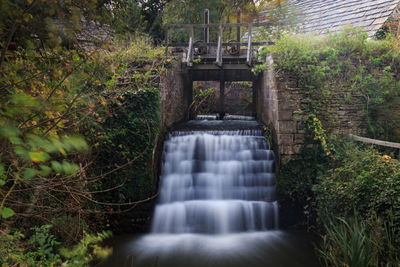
x: 189, y: 57
x: 218, y: 59
x: 214, y: 44
x: 225, y: 66
x: 249, y: 47
x: 206, y: 30
x: 214, y: 25
x: 374, y: 141
x: 238, y: 20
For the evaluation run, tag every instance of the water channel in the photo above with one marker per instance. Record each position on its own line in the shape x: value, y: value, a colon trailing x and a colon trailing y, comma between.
x: 217, y: 205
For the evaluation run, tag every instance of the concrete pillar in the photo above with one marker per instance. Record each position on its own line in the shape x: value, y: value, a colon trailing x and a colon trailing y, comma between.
x: 221, y: 95
x: 188, y: 94
x: 255, y: 86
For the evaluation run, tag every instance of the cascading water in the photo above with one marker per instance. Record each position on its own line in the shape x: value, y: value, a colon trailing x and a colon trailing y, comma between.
x: 217, y: 205
x: 216, y: 182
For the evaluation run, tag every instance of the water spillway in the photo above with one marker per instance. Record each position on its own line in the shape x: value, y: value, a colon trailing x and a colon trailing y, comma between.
x: 217, y: 205
x: 216, y: 182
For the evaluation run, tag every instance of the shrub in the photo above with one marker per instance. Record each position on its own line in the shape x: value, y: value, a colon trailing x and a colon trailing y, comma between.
x: 347, y: 243
x: 363, y: 190
x: 365, y: 181
x: 42, y: 249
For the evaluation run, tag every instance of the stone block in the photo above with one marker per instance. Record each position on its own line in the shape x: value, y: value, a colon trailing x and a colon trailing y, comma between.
x: 285, y: 139
x: 299, y: 138
x: 285, y: 115
x: 287, y: 127
x: 287, y: 105
x: 290, y: 149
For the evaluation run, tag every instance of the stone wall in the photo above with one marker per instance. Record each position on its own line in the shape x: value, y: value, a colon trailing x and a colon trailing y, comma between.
x: 280, y: 106
x: 174, y: 98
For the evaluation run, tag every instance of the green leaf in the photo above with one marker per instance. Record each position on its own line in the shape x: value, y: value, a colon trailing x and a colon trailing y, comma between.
x: 15, y: 140
x: 29, y: 173
x: 56, y: 166
x: 2, y: 182
x: 39, y: 156
x: 6, y: 213
x: 75, y: 142
x: 21, y: 151
x: 46, y: 170
x: 70, y: 168
x: 9, y: 131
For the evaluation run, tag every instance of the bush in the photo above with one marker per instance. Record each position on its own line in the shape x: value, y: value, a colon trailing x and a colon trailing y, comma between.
x: 363, y: 190
x: 365, y: 181
x: 127, y: 139
x: 347, y: 243
x: 42, y: 249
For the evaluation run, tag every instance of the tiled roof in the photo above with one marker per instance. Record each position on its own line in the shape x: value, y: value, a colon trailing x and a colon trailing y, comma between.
x: 321, y: 16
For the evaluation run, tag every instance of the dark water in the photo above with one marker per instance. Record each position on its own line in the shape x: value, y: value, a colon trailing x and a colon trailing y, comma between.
x: 217, y: 204
x: 254, y: 249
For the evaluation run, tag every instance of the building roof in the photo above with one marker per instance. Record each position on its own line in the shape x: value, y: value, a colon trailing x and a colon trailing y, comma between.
x: 322, y: 16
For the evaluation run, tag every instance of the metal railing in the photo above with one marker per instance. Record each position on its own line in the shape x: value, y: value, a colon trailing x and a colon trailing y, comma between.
x: 220, y: 44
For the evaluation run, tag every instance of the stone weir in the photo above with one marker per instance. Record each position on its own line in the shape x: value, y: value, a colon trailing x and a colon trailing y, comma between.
x: 217, y: 178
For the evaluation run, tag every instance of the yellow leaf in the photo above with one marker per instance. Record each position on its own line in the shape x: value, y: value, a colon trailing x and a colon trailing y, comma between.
x: 38, y: 156
x: 62, y: 151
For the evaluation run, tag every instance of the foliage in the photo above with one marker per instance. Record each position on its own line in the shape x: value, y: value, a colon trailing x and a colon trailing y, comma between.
x: 347, y: 244
x: 203, y: 99
x: 358, y: 67
x: 53, y: 92
x: 296, y: 179
x: 363, y: 185
x: 127, y: 138
x: 363, y: 180
x: 357, y: 242
x: 87, y: 250
x: 42, y: 249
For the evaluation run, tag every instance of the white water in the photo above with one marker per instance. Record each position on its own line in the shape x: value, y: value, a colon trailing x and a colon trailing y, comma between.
x: 207, y: 117
x: 216, y: 182
x: 217, y: 205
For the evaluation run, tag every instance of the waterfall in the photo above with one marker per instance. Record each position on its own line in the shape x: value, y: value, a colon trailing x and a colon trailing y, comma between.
x: 216, y: 182
x: 217, y: 204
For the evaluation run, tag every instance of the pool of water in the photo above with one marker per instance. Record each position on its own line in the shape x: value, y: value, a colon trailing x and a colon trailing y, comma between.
x: 250, y: 249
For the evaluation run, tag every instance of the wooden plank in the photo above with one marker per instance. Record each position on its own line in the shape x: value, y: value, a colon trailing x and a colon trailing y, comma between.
x: 224, y: 67
x: 214, y: 25
x: 238, y: 20
x: 190, y: 52
x: 374, y: 141
x: 249, y: 56
x: 214, y: 44
x: 219, y: 49
x: 206, y: 30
